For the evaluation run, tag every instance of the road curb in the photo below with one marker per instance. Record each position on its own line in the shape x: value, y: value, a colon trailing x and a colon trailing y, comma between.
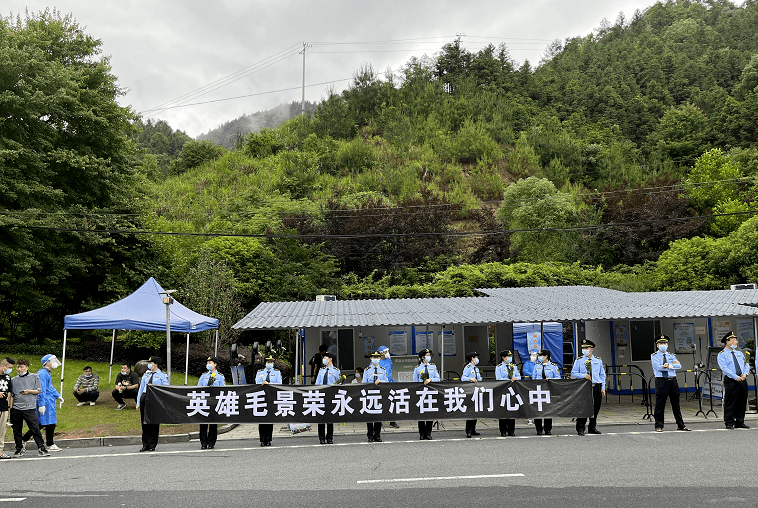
x: 94, y: 442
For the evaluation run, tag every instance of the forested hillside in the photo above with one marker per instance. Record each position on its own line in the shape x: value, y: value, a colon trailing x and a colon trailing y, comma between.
x: 229, y: 133
x: 625, y: 159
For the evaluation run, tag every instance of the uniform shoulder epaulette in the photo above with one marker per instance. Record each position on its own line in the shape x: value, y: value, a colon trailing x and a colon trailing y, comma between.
x: 501, y: 363
x: 555, y: 364
x: 596, y: 357
x: 579, y: 358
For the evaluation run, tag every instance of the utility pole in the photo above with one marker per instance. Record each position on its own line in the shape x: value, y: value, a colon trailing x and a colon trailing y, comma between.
x: 302, y: 101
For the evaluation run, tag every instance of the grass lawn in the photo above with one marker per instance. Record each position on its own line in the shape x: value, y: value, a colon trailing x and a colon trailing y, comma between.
x: 102, y: 419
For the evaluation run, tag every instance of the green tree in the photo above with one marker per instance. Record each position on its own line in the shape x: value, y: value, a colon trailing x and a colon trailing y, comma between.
x: 712, y: 180
x: 535, y: 204
x: 66, y: 162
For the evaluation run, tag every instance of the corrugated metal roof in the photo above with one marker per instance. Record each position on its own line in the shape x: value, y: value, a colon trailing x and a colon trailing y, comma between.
x: 503, y: 305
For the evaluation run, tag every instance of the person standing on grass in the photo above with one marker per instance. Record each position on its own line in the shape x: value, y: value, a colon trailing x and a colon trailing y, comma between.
x: 6, y: 369
x: 24, y: 390
x: 86, y: 389
x: 47, y: 416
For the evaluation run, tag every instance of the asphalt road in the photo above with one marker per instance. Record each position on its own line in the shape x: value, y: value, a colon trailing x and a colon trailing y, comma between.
x: 625, y: 467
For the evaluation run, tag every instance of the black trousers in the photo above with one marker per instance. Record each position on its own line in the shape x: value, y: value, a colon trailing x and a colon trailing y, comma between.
x: 265, y: 432
x: 18, y: 417
x: 597, y: 399
x: 507, y: 425
x: 150, y: 431
x: 208, y: 434
x: 373, y: 429
x: 425, y: 428
x: 543, y: 424
x: 470, y: 427
x: 49, y: 434
x: 87, y: 396
x: 325, y: 431
x: 667, y: 388
x: 126, y: 394
x: 735, y: 400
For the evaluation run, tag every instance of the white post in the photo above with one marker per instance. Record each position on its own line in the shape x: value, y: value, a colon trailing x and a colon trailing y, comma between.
x: 113, y: 344
x: 63, y: 363
x: 215, y: 351
x: 186, y: 362
x: 168, y: 342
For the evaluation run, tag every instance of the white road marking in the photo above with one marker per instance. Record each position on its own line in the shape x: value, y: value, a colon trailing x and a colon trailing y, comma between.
x: 13, y: 499
x: 437, y: 478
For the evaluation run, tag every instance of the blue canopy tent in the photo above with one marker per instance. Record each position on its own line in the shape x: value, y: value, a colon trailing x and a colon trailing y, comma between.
x: 142, y: 310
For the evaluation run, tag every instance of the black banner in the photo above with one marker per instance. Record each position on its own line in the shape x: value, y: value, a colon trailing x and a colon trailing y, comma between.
x: 544, y: 398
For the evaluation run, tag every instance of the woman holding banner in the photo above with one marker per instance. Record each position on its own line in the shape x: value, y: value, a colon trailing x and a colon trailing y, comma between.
x: 426, y: 372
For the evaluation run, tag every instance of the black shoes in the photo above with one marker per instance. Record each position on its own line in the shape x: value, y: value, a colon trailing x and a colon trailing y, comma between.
x: 594, y: 431
x: 539, y: 432
x: 377, y: 439
x: 146, y: 449
x: 329, y: 441
x: 321, y: 441
x: 547, y: 432
x: 468, y: 434
x: 474, y: 433
x: 580, y: 432
x: 203, y: 446
x: 741, y: 426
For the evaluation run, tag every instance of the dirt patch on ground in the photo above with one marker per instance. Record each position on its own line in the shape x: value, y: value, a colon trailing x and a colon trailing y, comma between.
x: 111, y: 429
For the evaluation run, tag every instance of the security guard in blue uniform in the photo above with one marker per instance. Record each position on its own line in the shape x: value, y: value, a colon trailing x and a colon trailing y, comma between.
x: 735, y: 369
x: 545, y: 369
x: 425, y: 372
x: 507, y: 371
x: 213, y: 377
x: 590, y: 367
x: 328, y: 375
x: 266, y: 376
x: 375, y: 374
x: 471, y: 373
x: 665, y: 366
x: 153, y: 376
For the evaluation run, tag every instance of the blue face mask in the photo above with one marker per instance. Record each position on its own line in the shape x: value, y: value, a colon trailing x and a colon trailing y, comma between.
x: 269, y: 366
x: 475, y: 361
x: 375, y: 361
x: 663, y: 348
x: 508, y: 359
x: 428, y: 359
x: 586, y: 352
x: 734, y: 346
x: 9, y: 371
x: 209, y: 367
x: 88, y: 375
x: 324, y: 361
x: 150, y: 366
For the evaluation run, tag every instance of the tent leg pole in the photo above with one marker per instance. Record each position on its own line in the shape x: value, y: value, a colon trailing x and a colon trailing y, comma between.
x: 63, y: 363
x: 113, y: 344
x: 186, y: 362
x: 297, y: 356
x: 215, y: 351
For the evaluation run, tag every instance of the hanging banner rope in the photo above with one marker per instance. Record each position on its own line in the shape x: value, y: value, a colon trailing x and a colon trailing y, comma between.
x: 545, y: 398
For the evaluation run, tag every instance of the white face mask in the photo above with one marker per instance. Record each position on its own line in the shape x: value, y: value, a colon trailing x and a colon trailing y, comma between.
x: 375, y: 361
x: 586, y: 352
x: 150, y: 366
x: 508, y: 359
x: 475, y: 361
x: 9, y: 370
x: 387, y: 354
x: 734, y: 346
x: 542, y: 359
x: 663, y: 347
x: 533, y: 358
x: 269, y: 366
x: 428, y: 359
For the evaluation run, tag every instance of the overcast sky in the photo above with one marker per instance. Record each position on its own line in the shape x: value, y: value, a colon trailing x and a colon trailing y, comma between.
x: 162, y: 50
